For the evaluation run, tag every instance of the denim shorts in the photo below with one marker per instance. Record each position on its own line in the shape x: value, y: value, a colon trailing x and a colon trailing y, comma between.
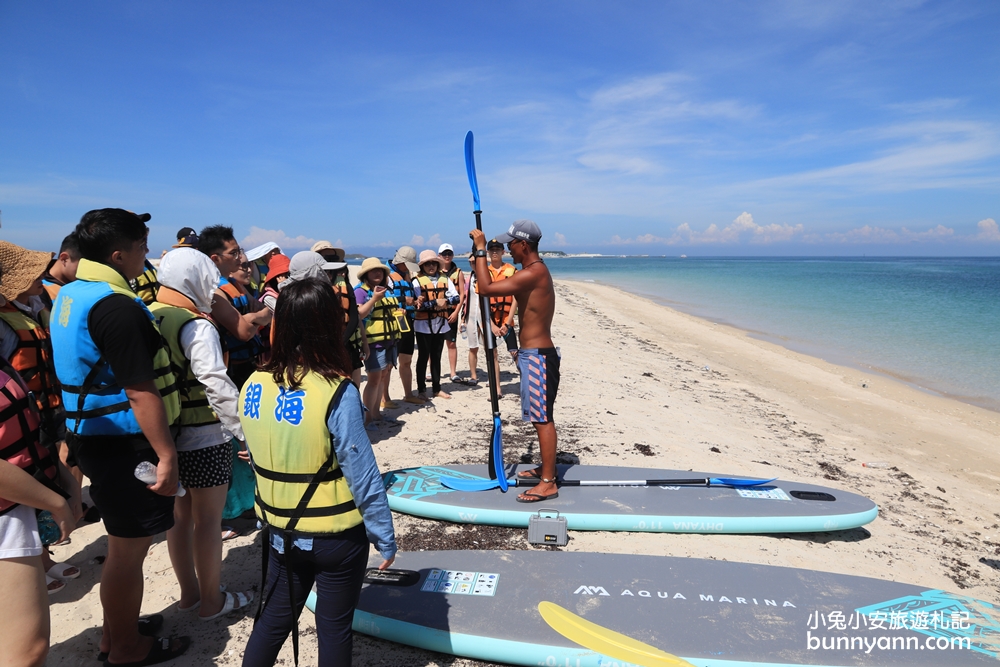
x: 380, y: 358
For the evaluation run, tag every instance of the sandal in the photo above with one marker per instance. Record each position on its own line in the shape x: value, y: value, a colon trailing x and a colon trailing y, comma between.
x: 530, y: 474
x: 415, y: 400
x: 63, y: 571
x: 161, y: 652
x: 53, y: 585
x: 528, y: 497
x: 196, y: 605
x: 148, y: 627
x: 229, y: 533
x: 234, y: 602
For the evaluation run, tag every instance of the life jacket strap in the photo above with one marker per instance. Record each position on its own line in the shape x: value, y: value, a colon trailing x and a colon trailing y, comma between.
x: 297, y: 478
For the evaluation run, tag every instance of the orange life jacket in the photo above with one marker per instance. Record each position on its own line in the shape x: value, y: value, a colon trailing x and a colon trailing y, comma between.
x: 432, y: 290
x: 32, y: 358
x: 19, y: 433
x: 500, y: 305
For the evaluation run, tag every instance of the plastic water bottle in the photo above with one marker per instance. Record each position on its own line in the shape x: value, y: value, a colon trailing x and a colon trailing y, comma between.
x: 465, y: 335
x: 146, y: 472
x: 875, y: 464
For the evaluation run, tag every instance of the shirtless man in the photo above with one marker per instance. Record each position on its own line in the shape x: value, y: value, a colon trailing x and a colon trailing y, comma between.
x: 537, y: 359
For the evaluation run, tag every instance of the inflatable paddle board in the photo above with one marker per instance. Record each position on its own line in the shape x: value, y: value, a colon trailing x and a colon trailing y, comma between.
x: 572, y: 609
x: 776, y: 507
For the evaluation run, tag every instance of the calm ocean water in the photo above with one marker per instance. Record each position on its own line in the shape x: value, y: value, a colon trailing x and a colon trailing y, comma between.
x: 929, y: 321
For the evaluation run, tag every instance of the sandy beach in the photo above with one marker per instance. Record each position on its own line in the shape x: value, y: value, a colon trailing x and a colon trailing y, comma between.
x: 645, y: 385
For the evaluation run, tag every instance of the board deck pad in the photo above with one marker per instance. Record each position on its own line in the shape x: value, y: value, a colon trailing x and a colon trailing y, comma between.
x: 711, y: 613
x: 777, y: 507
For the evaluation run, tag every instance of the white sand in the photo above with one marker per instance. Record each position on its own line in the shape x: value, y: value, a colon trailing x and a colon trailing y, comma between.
x: 634, y: 373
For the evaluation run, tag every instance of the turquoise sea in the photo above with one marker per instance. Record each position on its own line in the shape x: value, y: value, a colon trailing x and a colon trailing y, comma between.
x: 932, y: 322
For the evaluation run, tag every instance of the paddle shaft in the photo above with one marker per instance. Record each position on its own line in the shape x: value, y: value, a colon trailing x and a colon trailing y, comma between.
x: 532, y: 481
x: 491, y: 343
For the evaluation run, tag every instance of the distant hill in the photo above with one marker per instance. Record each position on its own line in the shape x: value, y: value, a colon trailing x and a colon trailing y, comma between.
x: 354, y: 255
x: 551, y: 253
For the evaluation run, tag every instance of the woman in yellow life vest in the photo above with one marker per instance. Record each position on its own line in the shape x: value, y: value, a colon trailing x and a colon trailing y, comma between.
x: 378, y: 308
x: 208, y: 420
x: 320, y: 493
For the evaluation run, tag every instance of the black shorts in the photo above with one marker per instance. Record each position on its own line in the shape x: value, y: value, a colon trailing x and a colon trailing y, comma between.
x: 511, y: 339
x: 452, y: 333
x: 127, y: 507
x: 52, y: 430
x: 206, y: 467
x: 355, y: 353
x: 407, y: 342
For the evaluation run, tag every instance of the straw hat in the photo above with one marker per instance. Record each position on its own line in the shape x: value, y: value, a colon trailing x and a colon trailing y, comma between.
x: 368, y: 265
x: 19, y: 267
x: 430, y: 256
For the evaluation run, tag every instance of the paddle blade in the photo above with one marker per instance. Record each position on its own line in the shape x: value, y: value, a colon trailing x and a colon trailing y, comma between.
x: 470, y: 168
x: 739, y: 481
x: 604, y: 641
x: 497, y: 453
x: 470, y: 484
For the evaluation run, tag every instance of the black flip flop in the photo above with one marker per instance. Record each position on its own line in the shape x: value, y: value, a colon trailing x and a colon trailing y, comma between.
x: 538, y: 498
x: 148, y: 627
x: 161, y: 652
x: 529, y: 474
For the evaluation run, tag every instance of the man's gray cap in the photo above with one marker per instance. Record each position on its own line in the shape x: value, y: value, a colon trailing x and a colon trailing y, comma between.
x: 523, y: 230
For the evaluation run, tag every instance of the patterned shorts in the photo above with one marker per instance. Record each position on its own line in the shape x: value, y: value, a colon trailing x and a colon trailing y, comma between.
x: 539, y: 383
x: 205, y: 468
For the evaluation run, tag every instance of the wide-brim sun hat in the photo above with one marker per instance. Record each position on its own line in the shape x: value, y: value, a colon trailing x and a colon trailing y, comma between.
x: 430, y: 256
x: 320, y: 246
x: 369, y: 264
x: 19, y: 268
x: 255, y: 253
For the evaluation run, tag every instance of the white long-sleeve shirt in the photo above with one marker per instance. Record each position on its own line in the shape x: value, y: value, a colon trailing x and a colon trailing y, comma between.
x: 200, y: 343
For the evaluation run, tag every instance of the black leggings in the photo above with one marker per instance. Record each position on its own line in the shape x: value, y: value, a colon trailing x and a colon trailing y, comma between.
x: 429, y: 346
x: 337, y: 566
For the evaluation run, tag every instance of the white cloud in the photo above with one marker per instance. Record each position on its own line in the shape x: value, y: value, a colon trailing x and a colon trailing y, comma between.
x: 260, y: 235
x: 560, y: 239
x: 988, y: 230
x: 418, y: 241
x: 873, y: 234
x: 743, y: 228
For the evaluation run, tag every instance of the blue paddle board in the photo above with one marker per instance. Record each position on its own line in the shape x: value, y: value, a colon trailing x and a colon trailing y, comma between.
x: 575, y: 609
x: 777, y: 507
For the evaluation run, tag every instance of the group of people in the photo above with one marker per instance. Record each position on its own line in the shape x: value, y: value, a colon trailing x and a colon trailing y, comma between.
x: 157, y: 383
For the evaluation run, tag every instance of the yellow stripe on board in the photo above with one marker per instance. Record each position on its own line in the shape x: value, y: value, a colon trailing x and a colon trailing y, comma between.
x: 604, y: 641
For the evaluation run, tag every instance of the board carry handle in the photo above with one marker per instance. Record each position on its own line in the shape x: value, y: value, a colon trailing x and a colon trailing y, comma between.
x: 550, y: 511
x: 812, y: 495
x: 391, y: 577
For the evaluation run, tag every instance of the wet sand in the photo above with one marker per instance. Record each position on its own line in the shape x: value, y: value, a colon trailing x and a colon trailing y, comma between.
x: 645, y: 385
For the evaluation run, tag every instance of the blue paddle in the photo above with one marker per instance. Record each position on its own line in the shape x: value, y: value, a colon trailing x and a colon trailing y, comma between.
x: 495, y: 457
x: 487, y: 484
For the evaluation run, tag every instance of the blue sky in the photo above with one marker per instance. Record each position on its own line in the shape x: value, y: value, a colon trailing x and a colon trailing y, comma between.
x: 718, y: 128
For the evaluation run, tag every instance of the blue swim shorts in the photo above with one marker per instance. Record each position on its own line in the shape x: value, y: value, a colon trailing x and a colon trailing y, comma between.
x: 539, y: 383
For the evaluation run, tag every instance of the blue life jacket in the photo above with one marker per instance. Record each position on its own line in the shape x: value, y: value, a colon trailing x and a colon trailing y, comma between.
x: 240, y: 351
x: 401, y: 289
x: 95, y: 403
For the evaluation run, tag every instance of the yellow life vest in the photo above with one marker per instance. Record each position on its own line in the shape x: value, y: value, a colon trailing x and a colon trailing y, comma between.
x: 381, y: 324
x: 147, y: 284
x: 291, y: 446
x: 195, y: 409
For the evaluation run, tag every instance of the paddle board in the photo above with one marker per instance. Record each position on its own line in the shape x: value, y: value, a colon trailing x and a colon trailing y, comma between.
x: 545, y: 608
x: 778, y: 507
